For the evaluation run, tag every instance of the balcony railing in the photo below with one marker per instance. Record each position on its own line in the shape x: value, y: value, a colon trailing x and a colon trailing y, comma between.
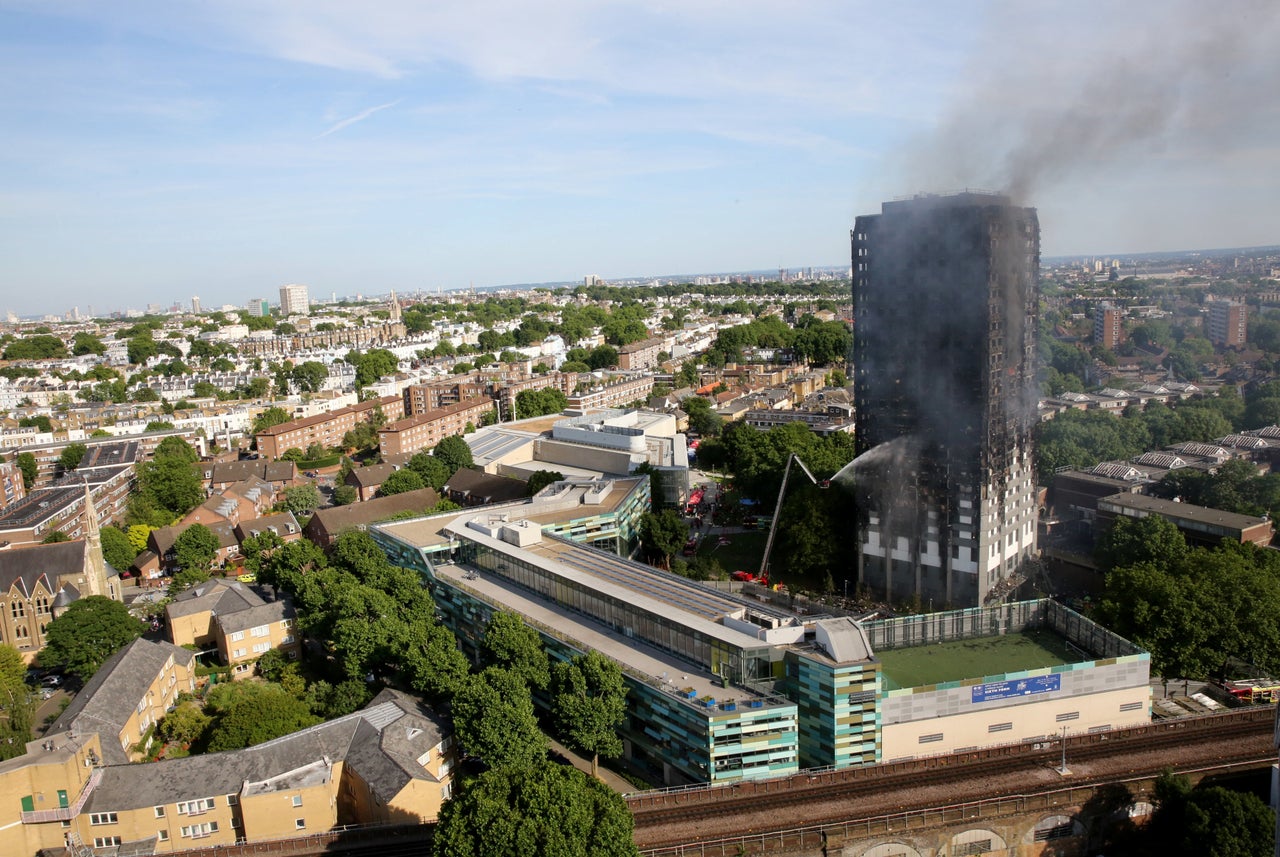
x: 65, y: 813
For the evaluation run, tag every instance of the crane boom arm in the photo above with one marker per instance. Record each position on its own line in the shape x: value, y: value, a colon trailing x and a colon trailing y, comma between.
x: 777, y: 509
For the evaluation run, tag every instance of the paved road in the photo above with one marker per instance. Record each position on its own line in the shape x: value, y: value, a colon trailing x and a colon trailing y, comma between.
x: 48, y: 710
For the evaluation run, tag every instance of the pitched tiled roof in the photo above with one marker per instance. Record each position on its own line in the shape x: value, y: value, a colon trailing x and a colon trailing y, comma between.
x: 486, y: 486
x: 328, y: 523
x: 283, y: 524
x: 371, y: 476
x: 381, y: 743
x: 27, y: 566
x: 220, y: 596
x: 262, y: 614
x: 107, y: 700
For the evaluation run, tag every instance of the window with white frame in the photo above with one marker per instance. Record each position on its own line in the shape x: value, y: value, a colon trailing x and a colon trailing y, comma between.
x: 195, y: 807
x: 106, y: 841
x: 199, y: 831
x: 236, y: 636
x: 261, y: 631
x: 159, y: 812
x: 259, y: 648
x: 299, y: 824
x: 239, y: 653
x: 297, y: 800
x: 103, y: 818
x: 232, y: 800
x: 162, y: 835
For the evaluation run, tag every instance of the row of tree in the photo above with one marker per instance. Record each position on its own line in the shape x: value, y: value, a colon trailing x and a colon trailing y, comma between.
x: 1196, y: 610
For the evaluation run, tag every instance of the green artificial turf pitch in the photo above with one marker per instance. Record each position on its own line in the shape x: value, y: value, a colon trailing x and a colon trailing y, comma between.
x: 980, y: 657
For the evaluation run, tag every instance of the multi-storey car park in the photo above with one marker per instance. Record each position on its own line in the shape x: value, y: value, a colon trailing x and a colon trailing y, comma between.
x: 723, y: 687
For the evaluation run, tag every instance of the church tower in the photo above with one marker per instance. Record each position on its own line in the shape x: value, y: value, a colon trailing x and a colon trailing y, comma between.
x: 97, y: 581
x: 395, y: 308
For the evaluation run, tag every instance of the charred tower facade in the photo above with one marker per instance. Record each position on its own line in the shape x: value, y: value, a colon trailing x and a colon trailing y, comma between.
x: 944, y: 299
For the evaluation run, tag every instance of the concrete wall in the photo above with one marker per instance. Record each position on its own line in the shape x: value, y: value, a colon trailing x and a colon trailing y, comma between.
x: 1091, y: 696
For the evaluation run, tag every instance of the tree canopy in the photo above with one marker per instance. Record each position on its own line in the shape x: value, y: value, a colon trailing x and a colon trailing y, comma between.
x: 400, y: 482
x: 371, y: 365
x: 536, y: 403
x: 1207, y: 821
x: 88, y: 632
x: 758, y: 459
x: 168, y: 486
x: 38, y: 347
x: 702, y: 416
x: 117, y: 550
x: 588, y: 702
x: 511, y: 644
x: 662, y: 534
x: 376, y: 618
x: 434, y: 471
x: 301, y: 498
x: 309, y: 376
x: 540, y: 479
x: 29, y: 468
x: 248, y: 713
x: 272, y: 416
x: 1195, y: 609
x: 544, y: 810
x: 72, y: 456
x: 16, y: 702
x: 454, y: 453
x: 494, y: 720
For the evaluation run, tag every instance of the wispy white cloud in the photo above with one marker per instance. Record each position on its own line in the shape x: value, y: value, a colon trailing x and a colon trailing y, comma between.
x: 359, y: 117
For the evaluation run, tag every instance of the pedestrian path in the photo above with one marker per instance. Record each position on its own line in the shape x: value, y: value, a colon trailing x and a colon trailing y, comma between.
x: 608, y: 777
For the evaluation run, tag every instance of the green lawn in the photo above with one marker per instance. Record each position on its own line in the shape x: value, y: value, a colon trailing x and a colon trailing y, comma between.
x: 978, y: 658
x: 743, y: 551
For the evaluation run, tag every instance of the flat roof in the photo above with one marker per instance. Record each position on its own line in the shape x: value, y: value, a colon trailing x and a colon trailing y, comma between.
x: 1186, y: 511
x: 640, y: 579
x: 663, y: 669
x: 660, y: 597
x: 544, y: 509
x: 975, y: 658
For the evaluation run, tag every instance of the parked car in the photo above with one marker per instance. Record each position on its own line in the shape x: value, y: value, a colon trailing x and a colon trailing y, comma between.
x: 51, y: 681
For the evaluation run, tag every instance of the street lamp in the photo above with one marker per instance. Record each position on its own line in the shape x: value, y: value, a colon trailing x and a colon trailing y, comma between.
x: 1062, y: 769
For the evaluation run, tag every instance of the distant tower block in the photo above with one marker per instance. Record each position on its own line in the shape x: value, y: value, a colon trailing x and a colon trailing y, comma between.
x: 944, y: 364
x: 1108, y: 330
x: 294, y: 300
x: 1227, y: 323
x: 195, y: 305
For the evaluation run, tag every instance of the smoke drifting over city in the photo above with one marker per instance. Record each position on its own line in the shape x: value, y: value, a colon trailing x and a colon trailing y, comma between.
x: 1181, y: 86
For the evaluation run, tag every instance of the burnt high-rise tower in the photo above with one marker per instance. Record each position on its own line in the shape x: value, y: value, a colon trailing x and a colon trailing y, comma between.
x: 944, y: 299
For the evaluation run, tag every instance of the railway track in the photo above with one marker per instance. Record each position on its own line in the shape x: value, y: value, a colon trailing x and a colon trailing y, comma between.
x: 914, y: 784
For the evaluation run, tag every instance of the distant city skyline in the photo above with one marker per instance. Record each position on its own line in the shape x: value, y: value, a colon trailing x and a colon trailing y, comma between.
x: 159, y: 151
x: 78, y: 313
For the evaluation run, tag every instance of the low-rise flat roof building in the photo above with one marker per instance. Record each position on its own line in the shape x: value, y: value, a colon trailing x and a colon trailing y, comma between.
x: 723, y: 688
x: 1199, y: 525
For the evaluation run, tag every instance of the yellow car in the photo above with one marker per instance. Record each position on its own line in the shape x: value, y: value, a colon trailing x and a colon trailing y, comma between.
x: 248, y: 577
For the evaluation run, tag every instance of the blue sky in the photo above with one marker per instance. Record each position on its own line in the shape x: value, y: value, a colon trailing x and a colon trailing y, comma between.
x: 152, y: 151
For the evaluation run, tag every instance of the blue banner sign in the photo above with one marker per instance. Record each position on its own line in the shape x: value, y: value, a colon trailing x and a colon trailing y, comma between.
x: 1020, y: 687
